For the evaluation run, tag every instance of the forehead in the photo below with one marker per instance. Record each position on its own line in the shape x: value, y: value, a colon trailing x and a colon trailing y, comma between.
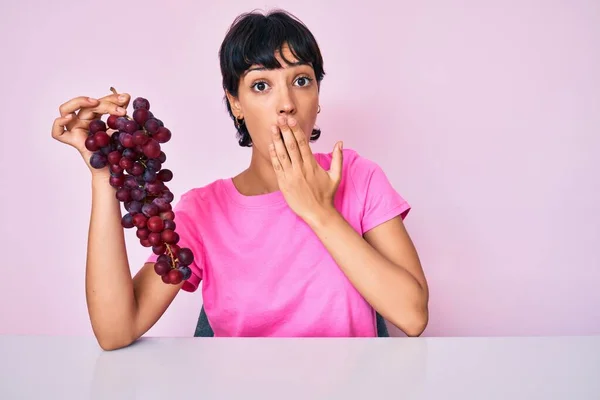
x: 285, y: 57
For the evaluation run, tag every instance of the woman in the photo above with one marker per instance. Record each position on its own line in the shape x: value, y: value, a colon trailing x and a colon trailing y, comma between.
x: 298, y: 244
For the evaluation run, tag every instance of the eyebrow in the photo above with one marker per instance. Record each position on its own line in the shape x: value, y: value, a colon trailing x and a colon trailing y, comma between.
x: 294, y: 64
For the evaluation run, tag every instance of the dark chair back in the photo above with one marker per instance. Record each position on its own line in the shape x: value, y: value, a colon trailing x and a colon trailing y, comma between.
x: 203, y: 328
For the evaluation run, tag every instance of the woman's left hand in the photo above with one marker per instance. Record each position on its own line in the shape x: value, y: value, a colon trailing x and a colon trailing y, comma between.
x: 308, y: 189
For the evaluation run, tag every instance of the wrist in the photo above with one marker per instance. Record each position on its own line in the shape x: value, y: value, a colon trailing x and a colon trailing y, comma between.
x: 322, y: 217
x: 100, y: 177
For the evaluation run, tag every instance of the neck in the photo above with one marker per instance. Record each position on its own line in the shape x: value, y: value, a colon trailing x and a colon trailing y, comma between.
x: 259, y: 178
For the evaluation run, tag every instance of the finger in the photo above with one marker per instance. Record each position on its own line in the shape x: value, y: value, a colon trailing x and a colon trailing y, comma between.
x: 59, y: 126
x: 76, y: 123
x: 276, y: 163
x: 76, y: 103
x: 101, y: 109
x: 290, y: 141
x: 335, y: 170
x: 107, y: 105
x: 280, y: 149
x: 302, y: 141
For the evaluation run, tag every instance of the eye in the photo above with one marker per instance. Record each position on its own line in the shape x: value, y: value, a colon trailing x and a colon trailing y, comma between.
x: 259, y: 86
x: 305, y: 80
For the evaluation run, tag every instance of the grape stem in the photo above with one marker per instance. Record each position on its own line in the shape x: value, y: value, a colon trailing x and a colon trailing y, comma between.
x: 171, y: 255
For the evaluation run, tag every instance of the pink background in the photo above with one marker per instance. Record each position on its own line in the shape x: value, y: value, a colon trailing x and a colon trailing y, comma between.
x: 484, y: 114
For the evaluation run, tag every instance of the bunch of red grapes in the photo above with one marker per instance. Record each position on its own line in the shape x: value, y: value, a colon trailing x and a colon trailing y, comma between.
x: 135, y: 159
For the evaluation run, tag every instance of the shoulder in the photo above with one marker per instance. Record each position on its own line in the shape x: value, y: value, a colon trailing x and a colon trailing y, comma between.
x: 373, y: 190
x: 196, y: 197
x: 355, y: 167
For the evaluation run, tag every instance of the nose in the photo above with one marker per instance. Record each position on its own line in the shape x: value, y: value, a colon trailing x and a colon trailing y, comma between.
x: 286, y: 103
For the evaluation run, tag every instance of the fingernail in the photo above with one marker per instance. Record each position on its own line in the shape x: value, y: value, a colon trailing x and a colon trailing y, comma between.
x: 121, y: 109
x: 92, y: 99
x: 291, y: 121
x: 122, y: 97
x: 69, y: 116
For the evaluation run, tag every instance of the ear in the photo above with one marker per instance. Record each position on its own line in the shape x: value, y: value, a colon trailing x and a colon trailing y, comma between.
x: 234, y: 103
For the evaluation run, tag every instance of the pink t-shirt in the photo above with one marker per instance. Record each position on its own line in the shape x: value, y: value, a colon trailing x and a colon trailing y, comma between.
x: 263, y: 270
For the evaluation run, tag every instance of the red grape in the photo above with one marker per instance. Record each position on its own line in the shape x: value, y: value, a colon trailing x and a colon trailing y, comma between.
x: 98, y: 160
x: 140, y: 138
x: 150, y: 210
x: 168, y: 215
x: 137, y: 169
x: 155, y: 224
x: 162, y: 267
x: 155, y: 187
x: 130, y: 127
x: 123, y: 194
x: 114, y: 157
x: 142, y: 233
x: 125, y: 163
x: 152, y: 126
x: 162, y: 135
x: 175, y: 276
x: 135, y: 158
x: 186, y: 272
x: 175, y: 250
x: 135, y: 206
x: 115, y: 168
x: 154, y: 164
x: 154, y: 238
x: 168, y: 196
x: 130, y: 154
x: 139, y: 220
x: 162, y: 204
x: 90, y: 143
x: 160, y: 249
x: 111, y: 121
x: 101, y: 138
x: 138, y: 193
x: 127, y: 140
x: 96, y: 125
x: 168, y: 236
x: 170, y: 224
x: 120, y: 123
x: 141, y: 116
x: 127, y: 221
x: 141, y: 103
x: 165, y: 175
x: 186, y: 257
x: 130, y: 182
x: 117, y: 181
x: 152, y: 149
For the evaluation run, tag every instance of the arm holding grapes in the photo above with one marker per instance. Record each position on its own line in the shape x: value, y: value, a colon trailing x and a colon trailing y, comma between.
x: 121, y: 308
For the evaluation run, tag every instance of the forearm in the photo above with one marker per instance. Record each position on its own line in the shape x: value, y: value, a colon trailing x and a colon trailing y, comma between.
x: 390, y: 288
x: 109, y: 285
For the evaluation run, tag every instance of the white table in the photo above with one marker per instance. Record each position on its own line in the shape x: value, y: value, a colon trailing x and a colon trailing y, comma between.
x: 38, y: 367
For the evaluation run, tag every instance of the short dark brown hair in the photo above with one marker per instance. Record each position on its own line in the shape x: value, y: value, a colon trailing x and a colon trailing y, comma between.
x: 253, y: 39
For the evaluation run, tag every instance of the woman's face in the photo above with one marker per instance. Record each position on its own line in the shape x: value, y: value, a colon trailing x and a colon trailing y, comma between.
x: 264, y: 95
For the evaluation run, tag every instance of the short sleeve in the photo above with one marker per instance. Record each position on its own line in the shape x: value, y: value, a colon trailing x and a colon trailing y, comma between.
x: 380, y: 200
x: 185, y: 226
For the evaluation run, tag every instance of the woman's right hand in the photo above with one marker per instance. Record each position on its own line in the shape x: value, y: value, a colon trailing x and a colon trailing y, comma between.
x: 75, y: 116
